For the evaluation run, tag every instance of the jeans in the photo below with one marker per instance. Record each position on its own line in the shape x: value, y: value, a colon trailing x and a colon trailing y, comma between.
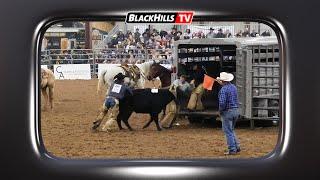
x: 110, y: 102
x: 229, y: 118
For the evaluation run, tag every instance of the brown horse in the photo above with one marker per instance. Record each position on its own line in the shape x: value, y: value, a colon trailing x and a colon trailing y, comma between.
x: 47, y: 81
x: 156, y: 70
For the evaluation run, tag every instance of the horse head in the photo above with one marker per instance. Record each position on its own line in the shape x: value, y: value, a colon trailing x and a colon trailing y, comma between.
x: 155, y: 70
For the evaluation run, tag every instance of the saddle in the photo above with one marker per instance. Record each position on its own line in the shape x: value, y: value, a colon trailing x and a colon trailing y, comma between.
x: 132, y: 71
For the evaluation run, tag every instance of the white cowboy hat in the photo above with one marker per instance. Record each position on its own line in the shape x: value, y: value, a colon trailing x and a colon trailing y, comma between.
x: 225, y: 77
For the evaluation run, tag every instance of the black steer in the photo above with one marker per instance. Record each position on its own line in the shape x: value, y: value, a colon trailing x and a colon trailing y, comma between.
x: 146, y: 102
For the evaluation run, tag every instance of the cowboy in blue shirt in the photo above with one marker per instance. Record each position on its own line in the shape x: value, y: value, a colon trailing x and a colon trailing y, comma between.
x: 118, y: 90
x: 228, y: 108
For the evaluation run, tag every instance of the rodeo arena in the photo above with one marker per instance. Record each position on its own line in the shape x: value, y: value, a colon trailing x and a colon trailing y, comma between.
x: 120, y: 91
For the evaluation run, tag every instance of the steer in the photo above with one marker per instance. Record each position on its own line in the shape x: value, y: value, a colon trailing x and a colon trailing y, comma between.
x: 144, y: 101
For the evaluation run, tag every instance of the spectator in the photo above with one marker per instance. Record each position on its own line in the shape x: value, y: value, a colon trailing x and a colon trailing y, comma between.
x: 266, y: 33
x: 163, y: 33
x: 120, y: 36
x: 239, y: 34
x: 202, y: 35
x: 254, y: 33
x: 146, y: 32
x: 67, y: 57
x: 246, y: 32
x: 154, y: 31
x: 173, y: 33
x: 195, y: 35
x: 220, y: 34
x: 228, y: 34
x: 211, y: 33
x: 137, y: 35
x: 114, y: 41
x: 187, y: 34
x: 177, y: 37
x: 146, y: 36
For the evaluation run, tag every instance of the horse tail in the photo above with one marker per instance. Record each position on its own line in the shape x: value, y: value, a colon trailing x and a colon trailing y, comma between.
x: 101, y: 81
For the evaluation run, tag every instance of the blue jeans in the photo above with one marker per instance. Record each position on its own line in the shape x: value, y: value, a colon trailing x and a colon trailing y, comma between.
x: 110, y: 102
x: 229, y: 118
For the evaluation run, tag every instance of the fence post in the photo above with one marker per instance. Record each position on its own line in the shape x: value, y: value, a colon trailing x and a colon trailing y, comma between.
x: 94, y: 63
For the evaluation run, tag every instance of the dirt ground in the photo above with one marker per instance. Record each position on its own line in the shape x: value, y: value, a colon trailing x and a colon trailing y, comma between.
x: 67, y: 132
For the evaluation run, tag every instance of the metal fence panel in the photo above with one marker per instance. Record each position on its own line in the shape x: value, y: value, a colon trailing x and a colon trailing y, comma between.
x: 265, y: 82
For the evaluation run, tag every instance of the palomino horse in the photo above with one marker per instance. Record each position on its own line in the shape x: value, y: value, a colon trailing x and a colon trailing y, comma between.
x: 157, y: 70
x: 47, y: 82
x: 138, y: 80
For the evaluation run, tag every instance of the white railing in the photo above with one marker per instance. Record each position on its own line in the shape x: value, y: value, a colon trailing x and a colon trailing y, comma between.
x: 94, y: 57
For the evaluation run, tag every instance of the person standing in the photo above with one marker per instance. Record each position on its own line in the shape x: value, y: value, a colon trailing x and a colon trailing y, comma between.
x: 228, y: 109
x: 137, y: 35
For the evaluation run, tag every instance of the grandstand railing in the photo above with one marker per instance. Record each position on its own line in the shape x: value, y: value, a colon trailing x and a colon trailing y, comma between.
x: 103, y: 56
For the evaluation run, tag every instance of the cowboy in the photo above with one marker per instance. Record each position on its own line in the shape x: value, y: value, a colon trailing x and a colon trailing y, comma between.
x: 118, y: 90
x: 228, y: 109
x: 197, y: 77
x: 211, y: 33
x: 183, y: 84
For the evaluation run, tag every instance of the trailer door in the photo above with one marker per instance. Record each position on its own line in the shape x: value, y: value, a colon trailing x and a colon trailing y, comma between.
x: 243, y: 80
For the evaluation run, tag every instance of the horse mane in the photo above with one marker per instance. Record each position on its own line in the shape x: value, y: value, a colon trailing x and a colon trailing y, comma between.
x: 164, y: 68
x: 146, y: 65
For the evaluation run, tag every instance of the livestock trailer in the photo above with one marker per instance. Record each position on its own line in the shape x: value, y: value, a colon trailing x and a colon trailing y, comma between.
x: 255, y: 64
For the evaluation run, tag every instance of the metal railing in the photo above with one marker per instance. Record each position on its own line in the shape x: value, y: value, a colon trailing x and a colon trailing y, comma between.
x: 103, y: 56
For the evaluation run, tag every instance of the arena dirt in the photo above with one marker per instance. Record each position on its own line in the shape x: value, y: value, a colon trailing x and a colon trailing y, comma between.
x: 66, y: 132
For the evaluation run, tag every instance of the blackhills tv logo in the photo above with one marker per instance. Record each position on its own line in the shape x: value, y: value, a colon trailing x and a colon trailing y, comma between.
x: 160, y: 17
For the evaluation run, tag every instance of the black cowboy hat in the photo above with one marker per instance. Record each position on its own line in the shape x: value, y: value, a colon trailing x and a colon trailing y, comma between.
x: 184, y: 76
x: 119, y: 76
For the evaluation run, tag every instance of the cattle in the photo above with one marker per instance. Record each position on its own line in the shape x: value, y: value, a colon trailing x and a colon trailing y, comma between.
x: 146, y: 101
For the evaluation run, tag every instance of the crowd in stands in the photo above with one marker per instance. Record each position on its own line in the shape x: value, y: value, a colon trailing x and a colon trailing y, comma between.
x: 154, y: 39
x: 136, y: 47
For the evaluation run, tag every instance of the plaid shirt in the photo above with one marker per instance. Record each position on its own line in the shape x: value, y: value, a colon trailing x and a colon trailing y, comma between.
x: 228, y: 97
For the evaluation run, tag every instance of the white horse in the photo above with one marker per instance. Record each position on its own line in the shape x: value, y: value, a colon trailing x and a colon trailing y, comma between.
x: 106, y: 76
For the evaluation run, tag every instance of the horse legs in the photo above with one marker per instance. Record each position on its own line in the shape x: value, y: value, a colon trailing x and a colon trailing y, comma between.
x: 45, y: 95
x: 51, y: 97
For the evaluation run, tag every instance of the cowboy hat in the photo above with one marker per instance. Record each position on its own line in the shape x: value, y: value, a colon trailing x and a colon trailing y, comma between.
x: 224, y: 76
x: 119, y: 76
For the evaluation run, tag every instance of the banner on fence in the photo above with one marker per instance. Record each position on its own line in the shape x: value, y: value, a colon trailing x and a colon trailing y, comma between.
x: 72, y: 71
x: 44, y: 66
